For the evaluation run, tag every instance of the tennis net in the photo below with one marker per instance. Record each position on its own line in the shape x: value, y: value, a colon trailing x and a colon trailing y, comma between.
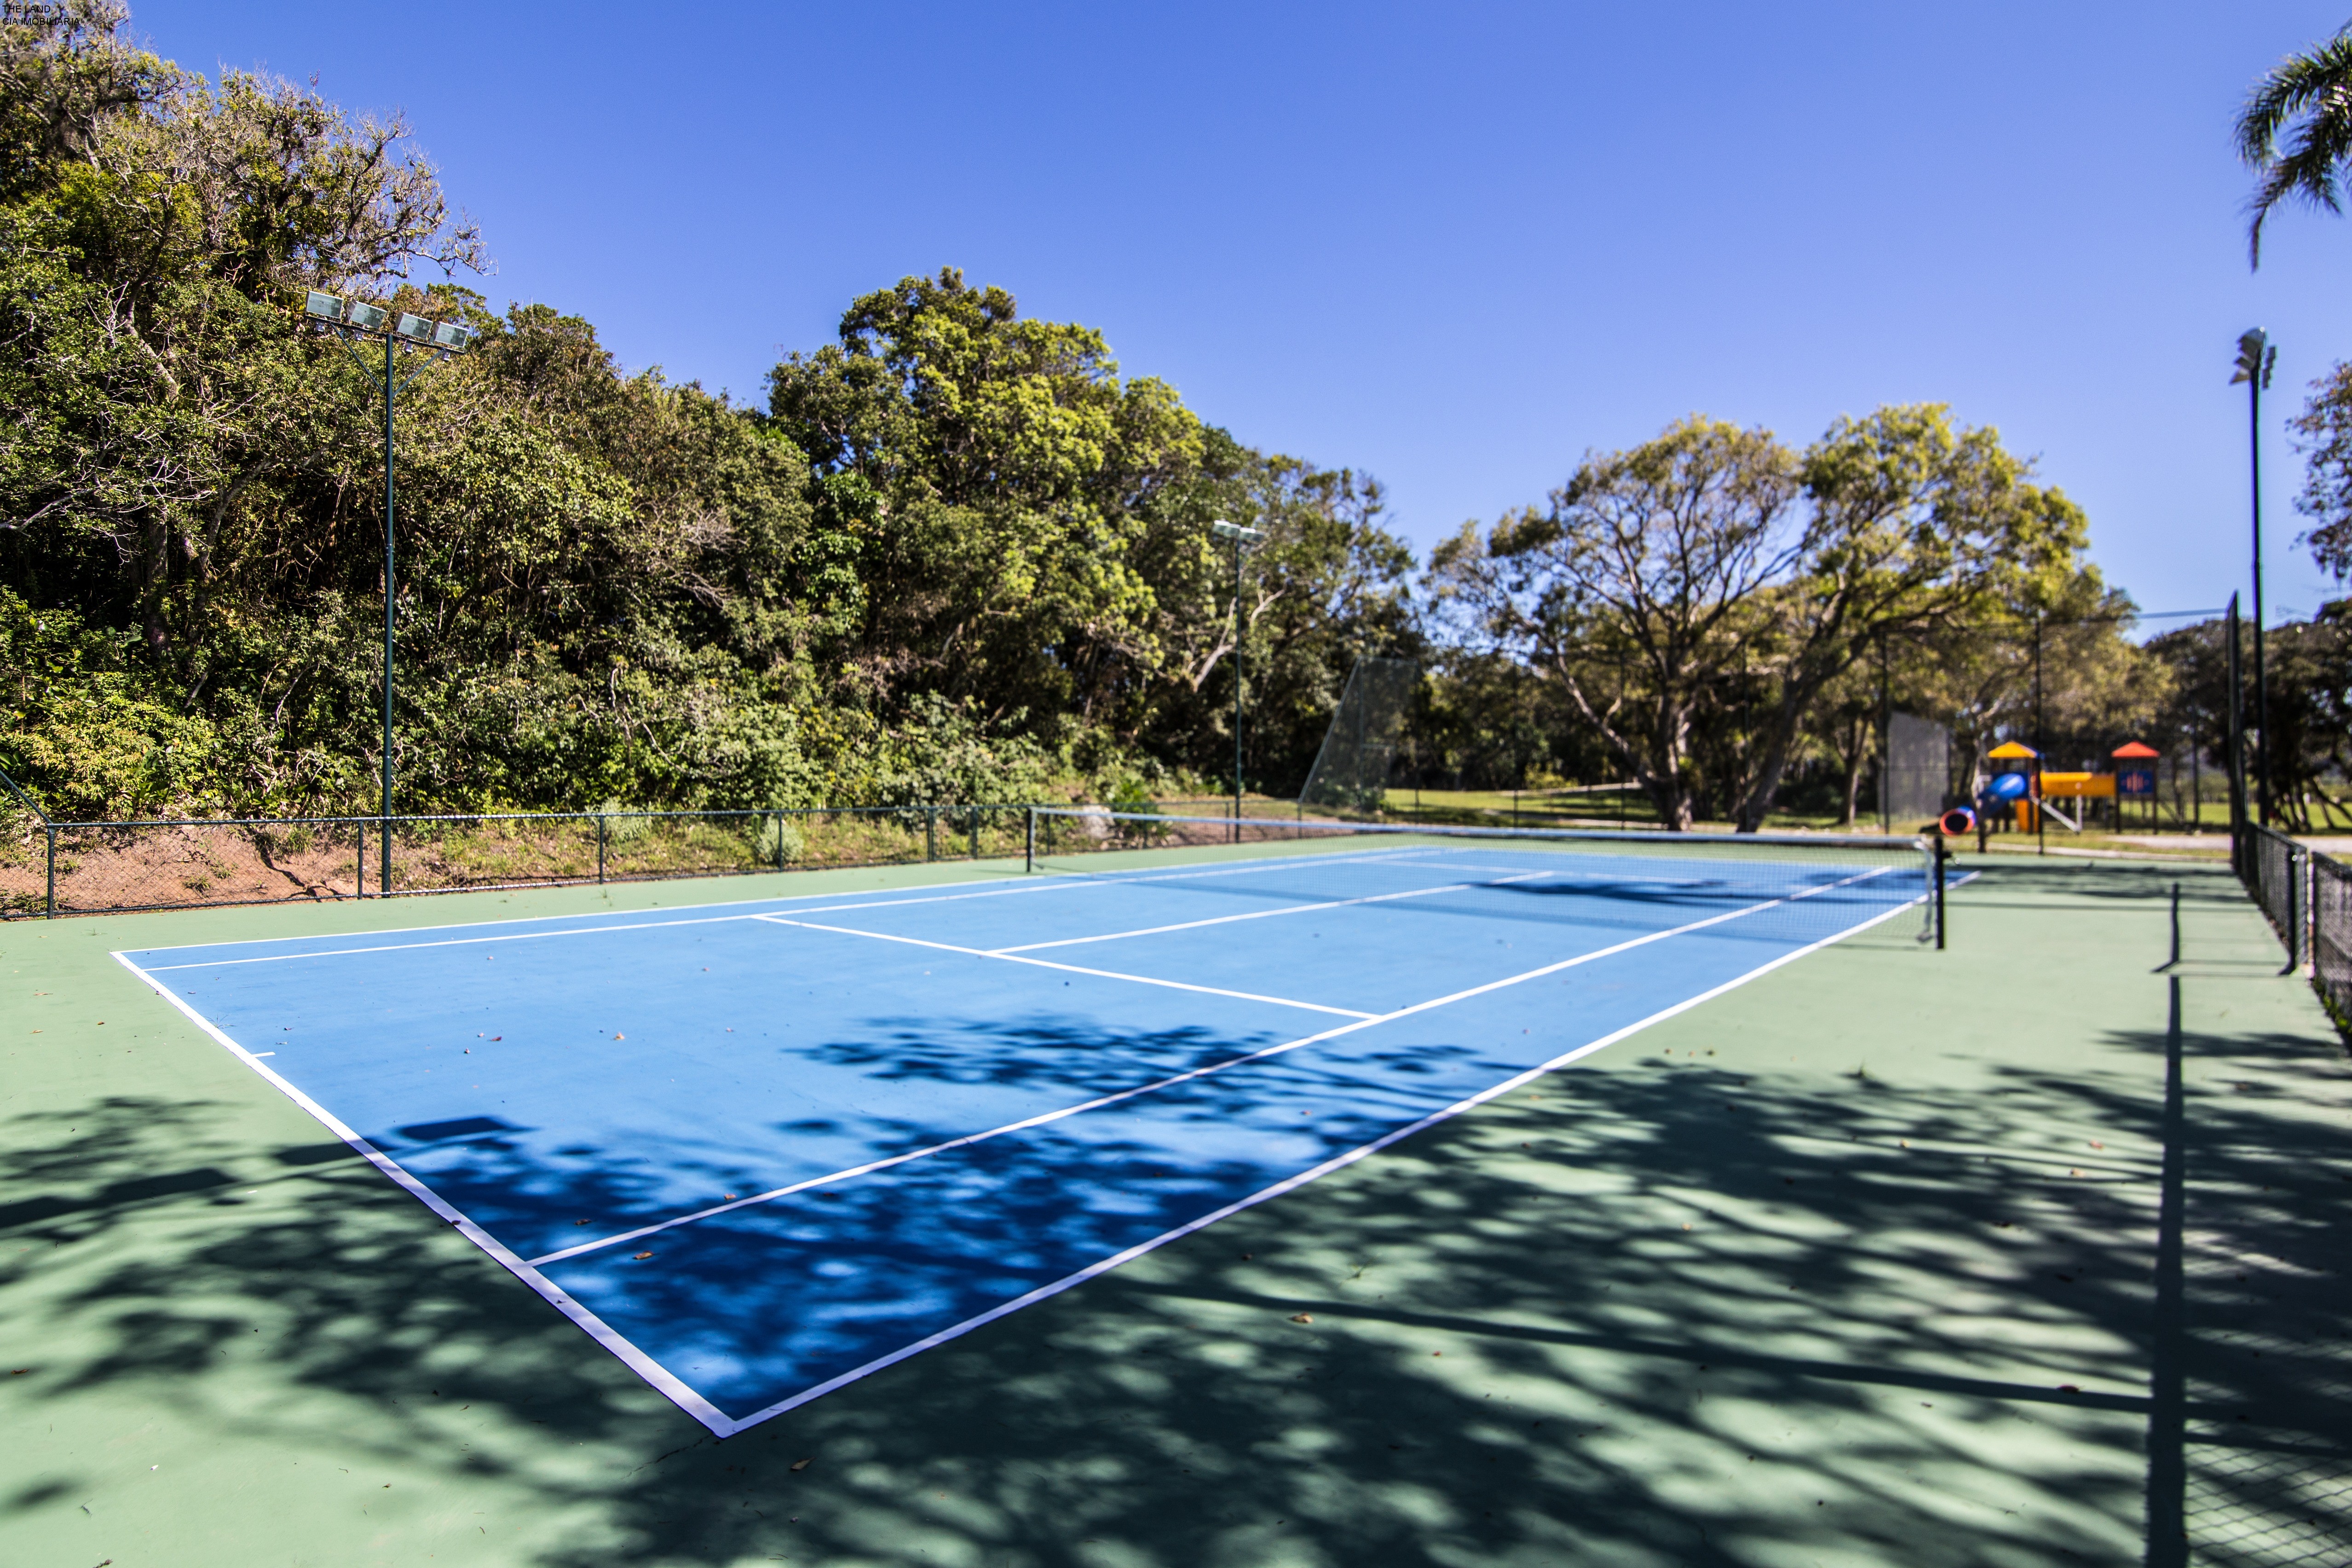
x: 1814, y: 884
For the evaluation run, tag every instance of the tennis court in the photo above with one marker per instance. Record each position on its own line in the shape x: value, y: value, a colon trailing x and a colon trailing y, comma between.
x: 759, y: 1150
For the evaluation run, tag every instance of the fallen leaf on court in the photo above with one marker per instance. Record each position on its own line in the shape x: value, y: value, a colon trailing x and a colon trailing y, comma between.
x: 1302, y: 1316
x: 497, y: 1037
x: 801, y: 1464
x: 620, y: 1036
x: 730, y: 1197
x: 643, y: 1255
x: 2096, y: 1144
x: 1685, y: 1225
x: 2069, y: 1388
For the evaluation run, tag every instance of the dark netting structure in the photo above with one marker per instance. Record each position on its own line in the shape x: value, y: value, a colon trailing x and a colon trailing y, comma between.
x: 1816, y: 885
x: 1351, y: 772
x: 1919, y: 769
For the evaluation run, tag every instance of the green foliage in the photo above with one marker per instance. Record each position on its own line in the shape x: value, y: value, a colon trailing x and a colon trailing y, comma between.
x: 87, y: 724
x: 2306, y: 101
x: 1697, y: 597
x: 609, y: 586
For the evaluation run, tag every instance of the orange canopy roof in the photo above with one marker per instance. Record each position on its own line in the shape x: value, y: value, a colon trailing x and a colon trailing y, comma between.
x: 2013, y: 749
x: 2133, y: 749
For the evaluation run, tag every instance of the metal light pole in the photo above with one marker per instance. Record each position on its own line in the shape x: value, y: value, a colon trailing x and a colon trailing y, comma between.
x: 2256, y: 354
x: 349, y: 318
x: 1243, y: 539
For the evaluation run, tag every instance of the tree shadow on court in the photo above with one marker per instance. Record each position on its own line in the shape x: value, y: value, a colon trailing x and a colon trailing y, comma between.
x: 1660, y: 1313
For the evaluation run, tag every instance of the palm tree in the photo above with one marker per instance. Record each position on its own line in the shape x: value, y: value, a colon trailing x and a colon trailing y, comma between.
x: 2305, y: 98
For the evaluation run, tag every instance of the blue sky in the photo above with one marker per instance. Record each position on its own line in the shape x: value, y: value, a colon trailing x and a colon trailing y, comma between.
x: 1453, y: 247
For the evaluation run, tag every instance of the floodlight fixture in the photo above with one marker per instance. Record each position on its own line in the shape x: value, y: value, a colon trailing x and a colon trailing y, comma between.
x: 2257, y: 355
x: 366, y: 317
x: 325, y: 306
x: 1235, y: 532
x: 451, y: 336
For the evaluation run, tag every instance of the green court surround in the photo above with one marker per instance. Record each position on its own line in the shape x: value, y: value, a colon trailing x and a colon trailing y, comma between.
x: 1865, y: 1262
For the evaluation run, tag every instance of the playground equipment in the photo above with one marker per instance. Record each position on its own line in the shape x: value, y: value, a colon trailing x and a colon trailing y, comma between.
x: 2027, y: 789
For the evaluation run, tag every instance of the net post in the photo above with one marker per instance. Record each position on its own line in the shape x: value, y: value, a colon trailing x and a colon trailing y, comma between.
x: 1939, y: 890
x: 2175, y: 960
x: 51, y: 829
x: 1029, y: 853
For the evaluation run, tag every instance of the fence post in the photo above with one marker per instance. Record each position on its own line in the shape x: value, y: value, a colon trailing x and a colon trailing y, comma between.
x: 600, y: 849
x: 50, y: 828
x: 930, y: 833
x: 974, y: 820
x: 1029, y: 854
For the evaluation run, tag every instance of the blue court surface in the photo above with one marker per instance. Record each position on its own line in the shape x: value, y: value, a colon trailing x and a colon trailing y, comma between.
x: 760, y: 1149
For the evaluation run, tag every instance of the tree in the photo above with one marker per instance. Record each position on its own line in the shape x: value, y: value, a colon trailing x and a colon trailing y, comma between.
x: 2305, y: 98
x: 1696, y: 596
x: 1328, y: 585
x: 1635, y: 588
x: 1914, y: 526
x: 997, y: 477
x: 2324, y: 432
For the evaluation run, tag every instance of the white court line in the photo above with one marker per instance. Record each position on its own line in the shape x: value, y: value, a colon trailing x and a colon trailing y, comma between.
x: 1045, y: 1118
x: 1056, y: 884
x: 1071, y: 881
x: 604, y: 1334
x: 1065, y: 968
x: 1290, y: 1183
x: 445, y: 941
x: 1265, y: 914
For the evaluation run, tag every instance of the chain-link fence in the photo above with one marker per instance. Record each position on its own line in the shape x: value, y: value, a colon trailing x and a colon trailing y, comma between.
x: 2307, y: 897
x: 2331, y: 933
x: 2277, y: 871
x: 88, y: 867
